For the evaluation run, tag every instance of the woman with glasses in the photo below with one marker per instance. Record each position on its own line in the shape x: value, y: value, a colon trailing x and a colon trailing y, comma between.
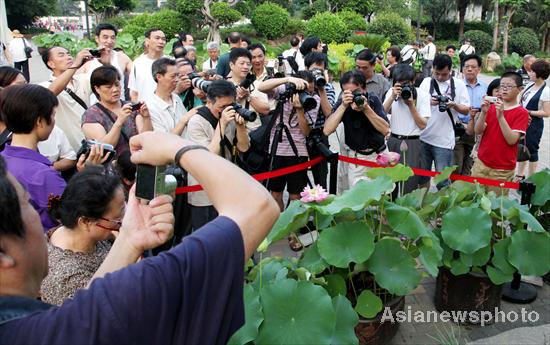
x: 90, y: 212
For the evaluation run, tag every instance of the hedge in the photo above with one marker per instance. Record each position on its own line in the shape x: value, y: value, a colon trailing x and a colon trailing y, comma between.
x: 449, y: 30
x: 353, y: 20
x: 328, y: 27
x: 523, y: 41
x: 481, y: 40
x: 392, y: 26
x: 270, y: 20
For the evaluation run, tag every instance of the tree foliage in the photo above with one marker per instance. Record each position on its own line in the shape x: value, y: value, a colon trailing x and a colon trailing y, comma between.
x: 352, y: 20
x: 270, y: 20
x: 223, y: 13
x: 110, y: 8
x: 328, y: 27
x: 391, y: 26
x: 22, y: 13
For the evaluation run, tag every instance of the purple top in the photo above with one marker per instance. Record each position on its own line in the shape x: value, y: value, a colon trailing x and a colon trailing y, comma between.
x: 36, y: 175
x: 192, y: 294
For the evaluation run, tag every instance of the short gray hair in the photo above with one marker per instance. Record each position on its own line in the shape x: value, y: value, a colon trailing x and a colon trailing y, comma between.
x: 190, y: 48
x: 212, y: 45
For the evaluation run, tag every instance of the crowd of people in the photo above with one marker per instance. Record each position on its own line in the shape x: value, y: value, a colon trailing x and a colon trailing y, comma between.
x: 69, y: 149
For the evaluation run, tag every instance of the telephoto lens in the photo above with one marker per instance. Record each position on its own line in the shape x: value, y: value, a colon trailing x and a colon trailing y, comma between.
x: 358, y: 98
x: 250, y: 78
x: 308, y: 102
x: 193, y: 75
x: 246, y: 114
x: 319, y: 77
x: 201, y: 84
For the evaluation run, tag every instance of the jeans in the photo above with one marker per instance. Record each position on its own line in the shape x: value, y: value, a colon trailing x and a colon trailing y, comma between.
x: 440, y: 157
x: 23, y: 66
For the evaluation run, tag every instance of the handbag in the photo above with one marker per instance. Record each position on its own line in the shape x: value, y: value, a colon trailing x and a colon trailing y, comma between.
x: 28, y: 50
x: 523, y: 152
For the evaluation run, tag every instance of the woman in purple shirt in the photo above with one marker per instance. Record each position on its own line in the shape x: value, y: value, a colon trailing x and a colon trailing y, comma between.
x: 29, y: 112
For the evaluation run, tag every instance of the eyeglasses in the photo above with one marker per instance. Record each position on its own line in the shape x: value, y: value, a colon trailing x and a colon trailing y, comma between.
x: 507, y: 87
x: 117, y: 224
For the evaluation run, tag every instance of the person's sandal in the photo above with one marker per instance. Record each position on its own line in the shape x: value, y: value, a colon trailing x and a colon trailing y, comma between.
x: 294, y: 243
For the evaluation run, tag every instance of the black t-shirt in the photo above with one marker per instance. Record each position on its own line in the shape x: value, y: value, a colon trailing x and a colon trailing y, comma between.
x: 360, y: 133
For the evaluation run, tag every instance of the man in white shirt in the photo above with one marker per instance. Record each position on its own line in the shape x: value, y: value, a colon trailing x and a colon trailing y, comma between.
x: 213, y: 49
x: 166, y: 108
x: 72, y: 90
x: 428, y: 53
x: 105, y: 37
x: 410, y: 110
x: 294, y: 52
x: 409, y: 52
x: 58, y: 150
x: 141, y: 83
x: 17, y: 51
x: 438, y: 138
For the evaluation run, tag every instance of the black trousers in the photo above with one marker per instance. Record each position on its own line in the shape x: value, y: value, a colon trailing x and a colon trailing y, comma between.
x: 23, y: 66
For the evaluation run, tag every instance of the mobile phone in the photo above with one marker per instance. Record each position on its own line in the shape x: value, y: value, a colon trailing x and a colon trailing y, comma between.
x: 136, y: 106
x: 95, y: 53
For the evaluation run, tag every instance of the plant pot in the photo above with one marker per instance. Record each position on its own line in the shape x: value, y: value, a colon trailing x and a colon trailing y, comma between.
x: 471, y: 292
x: 372, y: 331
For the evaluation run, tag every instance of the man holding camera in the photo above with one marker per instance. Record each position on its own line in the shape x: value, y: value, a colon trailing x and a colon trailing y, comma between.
x: 377, y: 85
x: 190, y: 96
x: 219, y: 127
x: 299, y: 113
x: 365, y: 124
x: 410, y: 109
x: 449, y: 98
x: 166, y: 108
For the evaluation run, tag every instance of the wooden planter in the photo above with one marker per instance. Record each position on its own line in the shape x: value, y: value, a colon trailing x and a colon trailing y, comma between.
x: 373, y: 332
x: 466, y: 292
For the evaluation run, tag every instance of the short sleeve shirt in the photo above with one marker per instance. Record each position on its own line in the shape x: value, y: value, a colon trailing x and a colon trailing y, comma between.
x: 141, y: 78
x: 494, y: 151
x: 57, y: 146
x: 165, y: 116
x: 192, y: 294
x: 402, y: 121
x: 95, y: 114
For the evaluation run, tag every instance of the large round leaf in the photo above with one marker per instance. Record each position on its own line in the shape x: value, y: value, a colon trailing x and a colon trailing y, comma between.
x: 293, y: 218
x: 336, y: 285
x: 253, y: 318
x: 466, y: 229
x: 500, y: 256
x: 346, y: 320
x: 529, y: 252
x: 312, y: 261
x: 345, y: 243
x: 296, y: 312
x: 542, y: 192
x: 393, y: 267
x: 368, y: 304
x: 397, y: 173
x: 404, y: 221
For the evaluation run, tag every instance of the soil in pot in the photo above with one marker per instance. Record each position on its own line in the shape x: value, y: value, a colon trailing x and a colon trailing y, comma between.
x: 471, y: 292
x: 373, y: 332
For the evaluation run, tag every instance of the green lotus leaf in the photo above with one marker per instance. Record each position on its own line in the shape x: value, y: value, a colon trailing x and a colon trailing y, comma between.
x: 253, y: 318
x: 368, y: 304
x: 405, y: 221
x: 466, y: 229
x: 266, y: 273
x: 293, y: 218
x: 529, y: 252
x: 336, y: 285
x: 346, y: 320
x: 296, y: 312
x: 485, y: 204
x: 397, y: 173
x: 413, y: 199
x: 459, y: 267
x: 498, y: 277
x: 393, y: 267
x: 431, y: 259
x: 527, y: 218
x: 345, y: 243
x: 312, y: 260
x: 444, y: 175
x: 361, y: 195
x: 481, y: 256
x: 542, y: 192
x: 500, y: 256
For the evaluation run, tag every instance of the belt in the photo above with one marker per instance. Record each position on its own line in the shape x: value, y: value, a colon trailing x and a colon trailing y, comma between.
x: 371, y: 151
x: 405, y: 137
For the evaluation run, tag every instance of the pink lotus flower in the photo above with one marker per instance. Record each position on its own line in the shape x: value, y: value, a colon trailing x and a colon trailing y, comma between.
x: 386, y: 159
x: 315, y: 194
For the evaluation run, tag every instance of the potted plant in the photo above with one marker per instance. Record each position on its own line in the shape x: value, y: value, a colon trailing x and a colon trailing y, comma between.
x: 362, y: 261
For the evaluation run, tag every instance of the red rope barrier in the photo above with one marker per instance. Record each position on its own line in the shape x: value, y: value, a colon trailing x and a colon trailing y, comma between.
x: 362, y: 162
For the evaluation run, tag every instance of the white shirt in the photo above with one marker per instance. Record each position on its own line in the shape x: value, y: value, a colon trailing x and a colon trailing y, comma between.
x: 408, y: 52
x: 402, y: 121
x: 428, y: 52
x: 57, y: 146
x: 141, y: 78
x: 439, y: 130
x: 297, y: 56
x: 17, y: 49
x: 165, y: 116
x: 69, y: 112
x: 209, y: 64
x: 529, y: 93
x: 467, y: 49
x: 115, y: 63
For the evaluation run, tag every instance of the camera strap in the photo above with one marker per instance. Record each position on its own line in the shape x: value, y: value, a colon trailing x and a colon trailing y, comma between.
x: 435, y: 86
x: 75, y: 97
x: 205, y: 113
x: 108, y: 113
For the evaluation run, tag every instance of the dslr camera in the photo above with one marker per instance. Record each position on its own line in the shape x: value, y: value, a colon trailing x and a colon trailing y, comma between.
x: 316, y: 145
x: 95, y: 53
x: 152, y: 181
x: 408, y: 91
x: 358, y: 98
x: 307, y: 102
x: 201, y: 83
x: 246, y: 114
x: 248, y: 81
x: 319, y: 77
x: 86, y: 147
x: 442, y: 102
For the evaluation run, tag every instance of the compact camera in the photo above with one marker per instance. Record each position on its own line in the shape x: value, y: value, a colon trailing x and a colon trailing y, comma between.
x: 491, y: 99
x: 95, y: 53
x: 136, y: 106
x: 152, y: 181
x: 442, y: 102
x: 86, y: 147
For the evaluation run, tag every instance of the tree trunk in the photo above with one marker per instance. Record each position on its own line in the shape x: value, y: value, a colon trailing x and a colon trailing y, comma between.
x: 214, y: 32
x: 496, y: 18
x: 462, y: 6
x: 435, y: 27
x: 546, y: 40
x: 505, y: 32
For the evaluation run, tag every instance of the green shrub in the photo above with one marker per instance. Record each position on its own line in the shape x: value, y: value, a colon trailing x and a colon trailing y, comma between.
x: 244, y: 29
x: 523, y: 41
x: 295, y: 26
x: 270, y: 20
x: 318, y: 6
x: 119, y: 22
x: 169, y: 21
x: 224, y: 13
x: 392, y: 26
x: 353, y: 20
x: 512, y: 61
x: 449, y: 30
x: 328, y: 27
x: 134, y: 30
x: 374, y: 42
x: 481, y: 40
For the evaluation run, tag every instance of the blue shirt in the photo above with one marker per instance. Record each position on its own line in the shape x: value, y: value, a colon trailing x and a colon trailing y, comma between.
x: 476, y: 94
x: 192, y: 294
x: 36, y: 175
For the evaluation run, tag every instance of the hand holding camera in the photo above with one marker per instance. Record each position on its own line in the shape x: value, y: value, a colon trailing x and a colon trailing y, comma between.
x: 92, y: 152
x: 396, y: 91
x: 123, y: 114
x: 347, y: 98
x: 228, y: 115
x: 299, y: 83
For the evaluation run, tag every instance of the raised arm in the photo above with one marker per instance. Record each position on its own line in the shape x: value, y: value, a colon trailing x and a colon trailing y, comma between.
x: 60, y: 83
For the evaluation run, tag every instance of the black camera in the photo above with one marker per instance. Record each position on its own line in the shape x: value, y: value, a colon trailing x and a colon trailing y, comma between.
x: 136, y: 106
x: 248, y: 81
x: 86, y: 147
x: 442, y: 102
x: 380, y: 57
x: 95, y: 53
x: 358, y: 98
x: 193, y: 75
x: 319, y: 77
x: 246, y: 114
x: 201, y: 84
x: 307, y: 102
x: 408, y: 91
x: 316, y: 145
x: 152, y: 181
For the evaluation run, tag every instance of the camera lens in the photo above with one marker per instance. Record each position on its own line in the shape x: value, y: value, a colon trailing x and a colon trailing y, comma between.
x: 406, y: 92
x: 358, y: 98
x: 320, y: 80
x: 246, y: 114
x: 201, y: 84
x: 308, y: 102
